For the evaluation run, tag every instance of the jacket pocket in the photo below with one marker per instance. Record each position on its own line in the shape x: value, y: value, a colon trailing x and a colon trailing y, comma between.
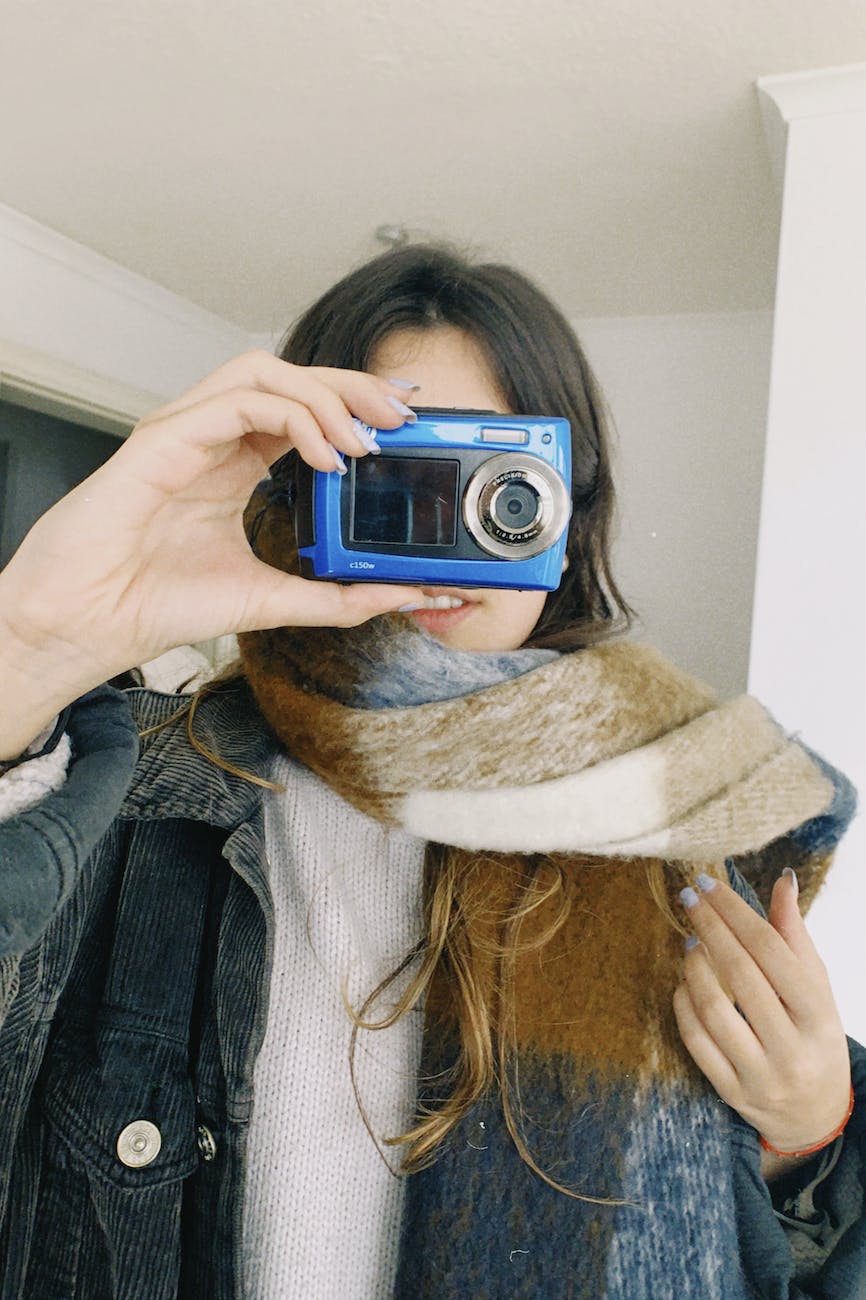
x: 126, y: 1108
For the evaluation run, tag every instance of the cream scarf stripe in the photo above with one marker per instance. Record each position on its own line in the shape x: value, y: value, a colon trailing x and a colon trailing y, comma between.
x: 609, y: 751
x: 641, y: 793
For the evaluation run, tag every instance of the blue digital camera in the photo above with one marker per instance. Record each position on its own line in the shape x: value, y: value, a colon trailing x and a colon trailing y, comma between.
x: 460, y: 498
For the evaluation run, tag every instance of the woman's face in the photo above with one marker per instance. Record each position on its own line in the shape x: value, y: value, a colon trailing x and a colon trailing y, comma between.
x: 452, y: 371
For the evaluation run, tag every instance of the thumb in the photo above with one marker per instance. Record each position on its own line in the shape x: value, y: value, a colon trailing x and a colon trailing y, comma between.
x: 784, y: 914
x: 284, y: 600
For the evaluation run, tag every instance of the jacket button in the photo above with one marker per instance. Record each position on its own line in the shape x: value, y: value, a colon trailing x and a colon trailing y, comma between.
x: 206, y: 1143
x: 139, y: 1144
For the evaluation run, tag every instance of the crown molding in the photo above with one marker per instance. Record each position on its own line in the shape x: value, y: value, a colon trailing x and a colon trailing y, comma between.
x: 44, y: 383
x: 818, y: 92
x: 51, y: 245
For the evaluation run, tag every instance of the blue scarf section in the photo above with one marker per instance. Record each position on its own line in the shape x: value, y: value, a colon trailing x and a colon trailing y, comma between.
x: 413, y: 668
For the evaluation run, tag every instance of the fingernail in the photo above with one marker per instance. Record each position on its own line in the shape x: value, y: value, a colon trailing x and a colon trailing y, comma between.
x: 705, y: 883
x: 688, y: 897
x: 407, y: 609
x: 404, y: 383
x: 339, y: 464
x: 404, y: 410
x: 691, y: 942
x: 789, y: 871
x: 366, y: 435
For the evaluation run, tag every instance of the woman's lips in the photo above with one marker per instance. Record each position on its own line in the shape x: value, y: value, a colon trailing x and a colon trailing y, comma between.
x: 441, y: 620
x: 437, y: 610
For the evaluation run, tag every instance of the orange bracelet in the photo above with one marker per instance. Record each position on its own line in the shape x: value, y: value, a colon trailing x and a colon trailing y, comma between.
x: 807, y: 1151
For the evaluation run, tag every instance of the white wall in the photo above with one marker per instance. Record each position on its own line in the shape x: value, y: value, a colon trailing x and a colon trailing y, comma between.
x: 809, y: 628
x: 688, y: 395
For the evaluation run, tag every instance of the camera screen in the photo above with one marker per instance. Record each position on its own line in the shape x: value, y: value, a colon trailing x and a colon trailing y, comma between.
x: 405, y: 501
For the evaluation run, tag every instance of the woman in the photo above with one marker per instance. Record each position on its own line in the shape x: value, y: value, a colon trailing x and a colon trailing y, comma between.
x: 432, y: 898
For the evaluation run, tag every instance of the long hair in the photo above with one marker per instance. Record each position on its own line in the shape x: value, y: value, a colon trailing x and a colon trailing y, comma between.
x: 539, y: 367
x: 471, y: 943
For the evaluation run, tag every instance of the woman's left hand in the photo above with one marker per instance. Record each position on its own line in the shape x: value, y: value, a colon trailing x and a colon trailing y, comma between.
x: 785, y: 1067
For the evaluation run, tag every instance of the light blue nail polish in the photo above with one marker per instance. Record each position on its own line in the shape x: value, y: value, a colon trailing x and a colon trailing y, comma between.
x: 404, y: 383
x: 705, y: 883
x: 795, y: 884
x: 339, y: 464
x: 366, y: 435
x: 688, y: 897
x: 402, y: 409
x: 691, y: 942
x: 407, y: 609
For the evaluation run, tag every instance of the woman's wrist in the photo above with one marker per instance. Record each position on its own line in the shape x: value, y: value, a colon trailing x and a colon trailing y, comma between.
x: 39, y: 682
x: 809, y: 1149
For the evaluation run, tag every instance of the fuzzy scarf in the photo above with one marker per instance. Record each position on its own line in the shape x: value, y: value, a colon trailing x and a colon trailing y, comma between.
x: 609, y: 752
x: 624, y: 774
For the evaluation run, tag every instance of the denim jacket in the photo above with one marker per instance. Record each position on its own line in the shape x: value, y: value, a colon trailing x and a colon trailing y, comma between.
x: 135, y: 947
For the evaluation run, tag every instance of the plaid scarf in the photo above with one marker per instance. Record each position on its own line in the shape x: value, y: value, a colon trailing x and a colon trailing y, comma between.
x: 625, y: 773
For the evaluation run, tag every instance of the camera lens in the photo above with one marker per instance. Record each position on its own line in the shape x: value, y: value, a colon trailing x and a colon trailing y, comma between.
x: 516, y: 506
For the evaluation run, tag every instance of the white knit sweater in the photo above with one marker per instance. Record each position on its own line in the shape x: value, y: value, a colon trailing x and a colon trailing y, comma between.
x: 322, y: 1211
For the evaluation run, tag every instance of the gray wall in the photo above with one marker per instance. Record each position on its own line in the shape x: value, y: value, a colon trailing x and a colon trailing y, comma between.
x: 688, y: 395
x: 41, y: 458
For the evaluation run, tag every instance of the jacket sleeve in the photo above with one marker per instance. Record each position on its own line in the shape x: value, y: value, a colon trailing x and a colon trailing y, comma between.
x: 807, y: 1240
x: 805, y: 1234
x: 42, y: 850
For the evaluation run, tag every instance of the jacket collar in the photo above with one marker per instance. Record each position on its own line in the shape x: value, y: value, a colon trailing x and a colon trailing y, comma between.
x: 172, y: 779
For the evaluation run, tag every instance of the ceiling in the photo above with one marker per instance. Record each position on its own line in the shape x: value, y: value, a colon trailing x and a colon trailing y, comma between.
x: 243, y: 153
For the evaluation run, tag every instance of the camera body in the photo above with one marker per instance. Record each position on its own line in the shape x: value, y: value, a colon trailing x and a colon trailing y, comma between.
x: 460, y: 498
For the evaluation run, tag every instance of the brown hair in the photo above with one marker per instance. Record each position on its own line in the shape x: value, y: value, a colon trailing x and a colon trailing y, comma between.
x: 540, y: 368
x: 471, y: 945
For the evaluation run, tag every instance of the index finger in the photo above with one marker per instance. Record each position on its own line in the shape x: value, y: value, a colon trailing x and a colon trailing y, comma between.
x: 364, y: 395
x: 724, y: 920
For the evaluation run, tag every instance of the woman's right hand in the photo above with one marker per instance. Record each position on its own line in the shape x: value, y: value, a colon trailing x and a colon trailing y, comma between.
x: 149, y: 552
